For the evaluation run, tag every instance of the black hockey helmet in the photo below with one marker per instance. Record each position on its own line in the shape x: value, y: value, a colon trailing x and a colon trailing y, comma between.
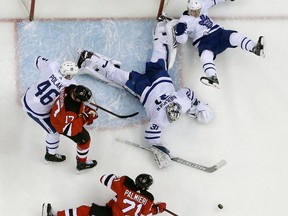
x: 144, y: 181
x: 82, y: 93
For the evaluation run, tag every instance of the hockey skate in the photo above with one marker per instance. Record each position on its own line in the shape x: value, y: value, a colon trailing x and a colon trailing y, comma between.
x: 210, y: 81
x: 47, y: 210
x: 84, y: 55
x: 161, y: 156
x: 259, y: 49
x: 85, y: 165
x: 54, y: 157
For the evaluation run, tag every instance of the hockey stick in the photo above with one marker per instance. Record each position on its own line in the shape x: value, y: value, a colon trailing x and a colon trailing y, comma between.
x: 170, y: 212
x: 180, y: 160
x: 108, y: 111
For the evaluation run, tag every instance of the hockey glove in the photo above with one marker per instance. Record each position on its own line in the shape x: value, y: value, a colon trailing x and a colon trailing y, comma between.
x: 201, y: 112
x: 180, y: 28
x: 158, y: 208
x: 89, y: 115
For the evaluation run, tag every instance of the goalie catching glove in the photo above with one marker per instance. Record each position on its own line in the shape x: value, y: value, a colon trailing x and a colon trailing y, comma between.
x: 201, y: 112
x: 158, y: 208
x: 89, y: 115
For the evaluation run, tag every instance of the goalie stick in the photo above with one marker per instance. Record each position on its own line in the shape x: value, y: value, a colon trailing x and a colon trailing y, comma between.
x: 93, y: 105
x: 180, y: 160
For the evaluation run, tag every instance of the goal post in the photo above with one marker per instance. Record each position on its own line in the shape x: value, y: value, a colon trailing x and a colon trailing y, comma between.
x: 162, y: 5
x: 29, y: 6
x: 160, y: 9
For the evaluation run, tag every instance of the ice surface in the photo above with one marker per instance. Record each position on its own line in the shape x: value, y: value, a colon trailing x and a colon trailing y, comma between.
x: 249, y: 130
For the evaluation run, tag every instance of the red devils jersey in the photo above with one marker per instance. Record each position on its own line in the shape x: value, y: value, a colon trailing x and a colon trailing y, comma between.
x: 65, y: 113
x: 130, y: 201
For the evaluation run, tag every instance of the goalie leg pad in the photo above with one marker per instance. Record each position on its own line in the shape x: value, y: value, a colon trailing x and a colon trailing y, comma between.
x: 99, y: 76
x: 171, y: 42
x: 162, y: 159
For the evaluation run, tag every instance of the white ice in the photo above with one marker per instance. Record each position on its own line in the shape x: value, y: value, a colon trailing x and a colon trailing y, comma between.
x: 249, y: 131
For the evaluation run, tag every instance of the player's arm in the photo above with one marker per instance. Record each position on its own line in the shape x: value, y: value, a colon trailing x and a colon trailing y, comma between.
x: 108, y: 179
x: 87, y: 116
x: 198, y: 110
x: 181, y: 30
x: 41, y: 62
x: 158, y: 208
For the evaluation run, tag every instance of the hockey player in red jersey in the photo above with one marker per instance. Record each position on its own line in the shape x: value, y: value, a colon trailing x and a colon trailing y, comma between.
x: 132, y: 199
x: 69, y: 115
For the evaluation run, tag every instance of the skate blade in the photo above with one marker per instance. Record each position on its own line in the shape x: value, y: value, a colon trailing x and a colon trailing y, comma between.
x: 52, y: 162
x: 205, y: 81
x: 43, y: 205
x: 221, y: 164
x: 263, y: 51
x: 78, y: 172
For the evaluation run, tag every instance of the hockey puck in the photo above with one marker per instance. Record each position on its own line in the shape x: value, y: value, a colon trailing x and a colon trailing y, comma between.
x: 220, y: 206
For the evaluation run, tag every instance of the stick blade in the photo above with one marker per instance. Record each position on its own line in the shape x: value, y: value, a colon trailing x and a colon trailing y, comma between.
x: 216, y: 166
x: 221, y: 164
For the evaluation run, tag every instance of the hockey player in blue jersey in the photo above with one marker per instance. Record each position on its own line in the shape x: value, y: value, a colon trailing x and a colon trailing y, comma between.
x: 40, y: 96
x: 155, y: 90
x: 209, y: 38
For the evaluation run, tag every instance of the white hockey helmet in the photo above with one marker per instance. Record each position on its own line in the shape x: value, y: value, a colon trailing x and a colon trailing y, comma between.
x: 173, y: 111
x: 194, y: 5
x: 68, y: 69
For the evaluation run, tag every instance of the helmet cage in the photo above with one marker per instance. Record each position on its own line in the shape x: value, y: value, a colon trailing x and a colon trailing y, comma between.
x: 173, y: 111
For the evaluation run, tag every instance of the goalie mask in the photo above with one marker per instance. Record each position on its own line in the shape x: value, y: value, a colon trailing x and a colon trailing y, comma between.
x: 173, y: 111
x: 68, y: 69
x: 144, y: 181
x: 81, y: 93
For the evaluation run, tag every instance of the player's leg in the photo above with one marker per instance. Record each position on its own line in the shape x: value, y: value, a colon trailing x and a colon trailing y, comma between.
x: 100, y: 210
x: 83, y: 210
x: 52, y: 144
x: 83, y: 144
x: 247, y: 44
x: 207, y: 59
x: 79, y: 211
x: 52, y: 139
x: 160, y: 41
x: 103, y: 69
